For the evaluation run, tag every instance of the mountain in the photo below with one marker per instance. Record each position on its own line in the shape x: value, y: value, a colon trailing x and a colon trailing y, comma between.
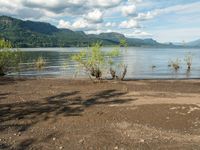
x: 39, y: 34
x: 194, y: 43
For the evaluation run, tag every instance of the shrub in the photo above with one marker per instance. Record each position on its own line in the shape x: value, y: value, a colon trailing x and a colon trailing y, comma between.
x: 123, y: 43
x: 94, y: 61
x: 118, y: 70
x: 175, y: 64
x: 40, y: 63
x: 188, y: 60
x: 9, y: 59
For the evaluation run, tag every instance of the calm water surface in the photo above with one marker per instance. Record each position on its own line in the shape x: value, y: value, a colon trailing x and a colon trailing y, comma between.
x: 139, y: 61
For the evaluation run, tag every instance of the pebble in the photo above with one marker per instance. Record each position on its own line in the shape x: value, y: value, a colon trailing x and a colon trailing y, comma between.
x: 54, y: 139
x: 19, y: 134
x: 81, y: 141
x: 116, y: 147
x: 142, y: 140
x: 61, y: 147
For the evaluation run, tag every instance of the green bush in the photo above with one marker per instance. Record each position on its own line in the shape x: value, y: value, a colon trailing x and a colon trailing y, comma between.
x: 95, y: 61
x: 91, y: 60
x: 188, y: 60
x: 40, y: 63
x: 175, y: 64
x: 9, y: 59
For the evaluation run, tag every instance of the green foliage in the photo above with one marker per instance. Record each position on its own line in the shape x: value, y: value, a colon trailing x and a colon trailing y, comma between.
x: 40, y: 63
x: 94, y: 61
x: 175, y: 64
x: 188, y: 60
x: 118, y: 70
x: 123, y: 43
x: 8, y: 58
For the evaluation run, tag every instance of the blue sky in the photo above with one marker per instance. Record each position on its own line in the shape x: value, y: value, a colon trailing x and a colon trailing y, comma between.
x: 163, y: 20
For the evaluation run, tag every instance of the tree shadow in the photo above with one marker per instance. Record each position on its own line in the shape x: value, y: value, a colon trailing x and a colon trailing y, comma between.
x: 13, y: 115
x: 4, y: 146
x: 3, y: 95
x: 25, y: 144
x: 8, y: 80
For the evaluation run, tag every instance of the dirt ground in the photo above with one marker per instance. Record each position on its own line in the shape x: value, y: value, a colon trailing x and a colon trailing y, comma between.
x: 55, y: 114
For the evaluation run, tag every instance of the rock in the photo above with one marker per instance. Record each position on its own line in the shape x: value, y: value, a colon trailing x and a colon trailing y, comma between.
x: 81, y: 141
x: 54, y: 139
x: 116, y: 147
x: 61, y: 147
x: 141, y: 140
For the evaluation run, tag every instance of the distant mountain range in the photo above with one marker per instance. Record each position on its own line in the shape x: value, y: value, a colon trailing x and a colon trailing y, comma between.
x: 194, y: 43
x: 39, y: 34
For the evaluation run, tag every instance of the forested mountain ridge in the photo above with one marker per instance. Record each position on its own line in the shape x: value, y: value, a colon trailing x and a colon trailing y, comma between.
x: 39, y: 34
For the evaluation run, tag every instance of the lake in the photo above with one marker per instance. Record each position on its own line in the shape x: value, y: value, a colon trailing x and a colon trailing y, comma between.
x: 139, y: 61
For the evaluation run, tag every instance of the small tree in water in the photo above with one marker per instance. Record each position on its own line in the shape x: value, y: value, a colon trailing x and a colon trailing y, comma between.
x: 118, y: 70
x: 40, y: 63
x: 8, y: 58
x: 188, y: 60
x: 175, y: 64
x: 95, y: 61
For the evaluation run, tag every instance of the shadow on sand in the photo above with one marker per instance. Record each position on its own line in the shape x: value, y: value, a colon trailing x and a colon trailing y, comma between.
x: 64, y: 104
x: 20, y: 116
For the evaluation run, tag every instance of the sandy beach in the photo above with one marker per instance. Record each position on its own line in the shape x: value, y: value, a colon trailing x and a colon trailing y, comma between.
x: 53, y: 114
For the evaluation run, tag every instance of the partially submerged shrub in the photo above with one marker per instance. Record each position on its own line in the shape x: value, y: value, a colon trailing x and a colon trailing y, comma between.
x: 175, y: 64
x: 188, y: 60
x: 9, y: 58
x: 118, y: 70
x: 91, y: 60
x: 40, y: 63
x: 95, y: 61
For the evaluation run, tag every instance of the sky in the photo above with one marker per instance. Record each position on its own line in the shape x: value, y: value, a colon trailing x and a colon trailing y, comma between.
x: 162, y: 20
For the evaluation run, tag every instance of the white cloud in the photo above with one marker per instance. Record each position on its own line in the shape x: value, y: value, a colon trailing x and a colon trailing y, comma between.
x: 96, y: 16
x: 146, y: 16
x: 110, y: 24
x: 64, y: 24
x: 79, y: 24
x: 138, y: 33
x: 129, y: 24
x: 129, y: 10
x: 184, y: 8
x: 105, y: 3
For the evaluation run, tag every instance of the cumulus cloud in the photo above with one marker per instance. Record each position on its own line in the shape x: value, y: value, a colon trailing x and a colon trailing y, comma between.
x: 129, y: 24
x: 79, y: 24
x: 146, y: 16
x: 96, y: 16
x: 105, y: 3
x: 129, y: 10
x: 138, y: 33
x: 110, y: 24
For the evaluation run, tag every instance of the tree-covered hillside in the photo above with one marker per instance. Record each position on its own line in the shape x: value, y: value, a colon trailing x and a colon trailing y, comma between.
x: 39, y: 34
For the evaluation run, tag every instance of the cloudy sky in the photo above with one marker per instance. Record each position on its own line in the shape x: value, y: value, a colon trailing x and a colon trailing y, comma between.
x: 163, y: 20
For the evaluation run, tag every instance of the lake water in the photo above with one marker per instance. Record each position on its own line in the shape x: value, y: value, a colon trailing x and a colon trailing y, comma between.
x: 139, y: 61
